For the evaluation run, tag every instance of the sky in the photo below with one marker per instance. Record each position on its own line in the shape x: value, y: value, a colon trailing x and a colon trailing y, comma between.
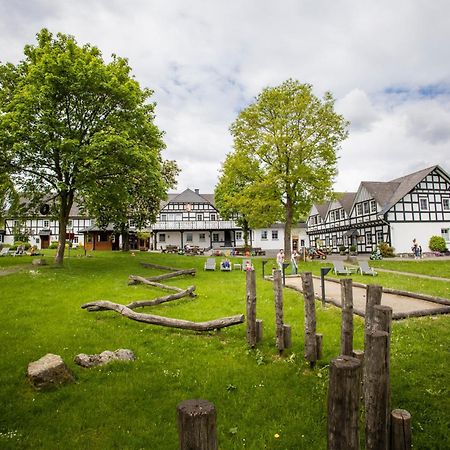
x: 387, y: 64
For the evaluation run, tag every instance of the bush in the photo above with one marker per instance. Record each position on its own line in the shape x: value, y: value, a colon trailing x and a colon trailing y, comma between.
x: 352, y: 248
x: 53, y: 245
x: 342, y: 249
x: 437, y: 244
x: 25, y: 245
x: 386, y: 250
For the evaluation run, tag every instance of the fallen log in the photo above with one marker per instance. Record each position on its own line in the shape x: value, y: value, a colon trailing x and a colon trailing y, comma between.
x: 157, y: 266
x: 136, y: 279
x: 178, y: 273
x: 166, y: 321
x: 156, y: 301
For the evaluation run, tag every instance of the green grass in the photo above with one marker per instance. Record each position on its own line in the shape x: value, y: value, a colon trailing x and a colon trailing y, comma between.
x: 133, y: 405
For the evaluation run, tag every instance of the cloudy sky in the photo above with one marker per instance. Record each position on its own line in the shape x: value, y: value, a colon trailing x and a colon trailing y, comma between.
x: 387, y: 63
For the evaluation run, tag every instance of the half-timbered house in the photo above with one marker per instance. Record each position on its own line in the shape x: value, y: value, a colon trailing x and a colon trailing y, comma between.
x: 413, y: 206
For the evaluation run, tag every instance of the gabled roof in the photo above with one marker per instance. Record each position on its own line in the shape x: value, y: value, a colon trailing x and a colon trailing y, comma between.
x: 322, y: 209
x: 189, y: 196
x: 406, y: 184
x: 382, y: 192
x: 346, y: 200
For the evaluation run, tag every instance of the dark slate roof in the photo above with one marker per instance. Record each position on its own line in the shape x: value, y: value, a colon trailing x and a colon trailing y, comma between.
x: 322, y: 209
x: 189, y: 196
x: 346, y: 200
x: 382, y: 192
x: 405, y: 185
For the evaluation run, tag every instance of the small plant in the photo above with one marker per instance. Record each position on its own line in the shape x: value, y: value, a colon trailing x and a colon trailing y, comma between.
x: 342, y: 249
x: 53, y: 245
x: 386, y: 250
x: 437, y: 244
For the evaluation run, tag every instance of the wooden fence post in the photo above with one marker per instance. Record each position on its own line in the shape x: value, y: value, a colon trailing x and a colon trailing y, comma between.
x: 287, y: 336
x: 259, y: 330
x: 373, y: 297
x: 319, y: 346
x: 376, y: 390
x: 197, y: 425
x: 382, y: 318
x: 310, y: 318
x: 401, y: 438
x: 347, y: 317
x: 251, y: 307
x: 343, y: 403
x: 278, y: 293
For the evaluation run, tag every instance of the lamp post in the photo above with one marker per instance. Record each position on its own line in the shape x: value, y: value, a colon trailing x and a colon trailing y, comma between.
x: 285, y: 265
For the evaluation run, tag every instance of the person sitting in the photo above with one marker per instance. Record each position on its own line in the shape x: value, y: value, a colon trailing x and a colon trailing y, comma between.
x: 225, y: 264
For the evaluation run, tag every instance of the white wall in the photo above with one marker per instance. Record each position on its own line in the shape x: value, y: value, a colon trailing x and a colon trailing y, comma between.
x: 402, y: 234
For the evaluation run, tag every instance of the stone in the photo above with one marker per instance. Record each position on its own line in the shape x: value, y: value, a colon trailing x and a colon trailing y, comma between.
x: 39, y: 262
x: 103, y: 358
x: 49, y: 371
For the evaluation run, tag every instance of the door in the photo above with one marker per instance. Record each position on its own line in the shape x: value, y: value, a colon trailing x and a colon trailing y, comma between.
x: 227, y: 237
x: 45, y: 242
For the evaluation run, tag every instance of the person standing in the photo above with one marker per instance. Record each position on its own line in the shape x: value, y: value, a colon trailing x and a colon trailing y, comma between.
x: 280, y: 259
x: 294, y: 262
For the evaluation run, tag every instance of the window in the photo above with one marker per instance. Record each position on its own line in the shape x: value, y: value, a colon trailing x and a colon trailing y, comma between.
x: 366, y: 207
x: 373, y: 206
x: 423, y: 203
x: 75, y: 240
x: 201, y: 237
x: 368, y: 238
x: 239, y: 235
x: 69, y: 223
x: 380, y: 237
x: 445, y: 234
x: 189, y: 237
x: 264, y: 235
x: 162, y: 237
x: 446, y: 204
x: 215, y: 237
x: 199, y: 217
x: 274, y: 235
x: 213, y: 217
x: 358, y: 209
x: 46, y: 223
x: 163, y: 217
x: 332, y: 216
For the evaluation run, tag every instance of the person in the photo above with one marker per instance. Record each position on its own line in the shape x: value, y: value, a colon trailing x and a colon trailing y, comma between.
x: 415, y: 249
x: 226, y: 263
x: 248, y: 266
x: 294, y: 263
x: 280, y: 259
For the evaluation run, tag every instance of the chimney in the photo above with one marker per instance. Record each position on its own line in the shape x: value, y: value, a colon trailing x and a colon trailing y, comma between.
x: 197, y: 191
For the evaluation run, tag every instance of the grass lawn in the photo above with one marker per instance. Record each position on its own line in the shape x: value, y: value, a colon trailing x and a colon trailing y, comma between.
x: 133, y: 405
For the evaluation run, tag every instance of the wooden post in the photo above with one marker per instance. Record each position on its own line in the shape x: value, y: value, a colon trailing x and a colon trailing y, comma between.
x: 319, y: 346
x: 287, y: 336
x: 310, y: 318
x: 197, y: 425
x: 401, y: 438
x: 359, y: 355
x: 373, y: 297
x: 343, y: 403
x: 382, y: 318
x: 278, y: 292
x: 259, y: 330
x: 376, y: 390
x: 251, y: 307
x: 347, y: 317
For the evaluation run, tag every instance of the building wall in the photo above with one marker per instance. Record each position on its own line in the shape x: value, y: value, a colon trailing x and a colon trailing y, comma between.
x: 404, y: 233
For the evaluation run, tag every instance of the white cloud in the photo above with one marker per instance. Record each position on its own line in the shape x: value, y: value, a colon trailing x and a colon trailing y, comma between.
x: 208, y: 60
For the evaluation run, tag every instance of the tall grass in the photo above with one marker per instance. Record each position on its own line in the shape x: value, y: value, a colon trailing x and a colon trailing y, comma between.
x: 132, y: 405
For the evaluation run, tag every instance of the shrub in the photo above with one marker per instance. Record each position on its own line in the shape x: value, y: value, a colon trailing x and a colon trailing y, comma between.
x: 342, y: 249
x: 437, y: 244
x: 352, y: 248
x: 386, y: 250
x: 53, y: 245
x: 26, y: 245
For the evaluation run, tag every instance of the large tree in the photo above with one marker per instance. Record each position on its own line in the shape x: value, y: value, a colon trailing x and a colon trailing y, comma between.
x: 71, y: 124
x: 290, y: 138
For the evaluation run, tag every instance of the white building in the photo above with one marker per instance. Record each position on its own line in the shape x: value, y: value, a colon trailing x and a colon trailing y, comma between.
x: 414, y: 206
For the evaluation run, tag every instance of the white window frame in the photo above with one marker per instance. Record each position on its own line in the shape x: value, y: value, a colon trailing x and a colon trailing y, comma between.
x: 215, y: 237
x: 202, y: 237
x: 359, y: 209
x: 162, y: 237
x: 199, y: 217
x: 445, y: 204
x: 213, y: 217
x: 238, y: 235
x: 373, y: 206
x: 189, y: 237
x: 274, y: 235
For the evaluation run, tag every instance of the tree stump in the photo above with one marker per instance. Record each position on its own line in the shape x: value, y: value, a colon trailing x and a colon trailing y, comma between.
x: 343, y: 403
x: 48, y: 372
x: 197, y: 425
x: 401, y: 438
x: 287, y: 336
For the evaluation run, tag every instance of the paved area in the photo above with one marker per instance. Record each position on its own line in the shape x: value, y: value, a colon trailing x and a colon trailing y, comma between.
x: 402, y: 306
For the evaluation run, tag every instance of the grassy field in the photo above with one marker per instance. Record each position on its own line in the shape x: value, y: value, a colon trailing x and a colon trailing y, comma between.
x: 133, y: 405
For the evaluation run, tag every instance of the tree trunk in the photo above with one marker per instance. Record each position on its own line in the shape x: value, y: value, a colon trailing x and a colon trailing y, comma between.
x: 287, y: 228
x: 125, y: 239
x: 66, y: 201
x: 245, y: 230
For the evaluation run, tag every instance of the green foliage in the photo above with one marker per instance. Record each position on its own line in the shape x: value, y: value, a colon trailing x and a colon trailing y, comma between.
x: 437, y: 244
x: 73, y: 126
x: 25, y: 244
x: 174, y: 365
x: 284, y: 158
x: 53, y: 245
x: 386, y: 250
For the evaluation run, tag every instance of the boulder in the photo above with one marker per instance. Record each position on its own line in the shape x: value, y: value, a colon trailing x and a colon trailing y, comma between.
x: 39, y: 262
x: 49, y: 371
x: 103, y: 358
